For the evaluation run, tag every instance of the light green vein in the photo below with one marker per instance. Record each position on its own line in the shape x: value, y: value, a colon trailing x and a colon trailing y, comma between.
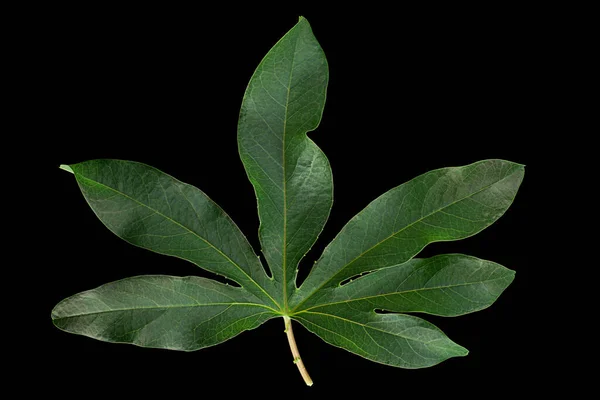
x: 403, y: 292
x: 179, y: 306
x: 370, y: 327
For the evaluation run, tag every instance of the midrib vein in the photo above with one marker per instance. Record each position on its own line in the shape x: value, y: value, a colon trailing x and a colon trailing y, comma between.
x: 397, y: 232
x: 402, y: 292
x: 166, y: 308
x: 287, y: 102
x: 186, y: 228
x: 364, y: 326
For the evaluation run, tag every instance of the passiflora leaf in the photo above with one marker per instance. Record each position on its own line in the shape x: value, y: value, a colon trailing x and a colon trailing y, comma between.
x: 290, y: 174
x: 162, y: 311
x: 293, y: 185
x: 444, y: 204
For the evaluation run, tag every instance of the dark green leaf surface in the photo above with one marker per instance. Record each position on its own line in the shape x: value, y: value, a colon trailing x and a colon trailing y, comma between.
x: 446, y: 285
x: 444, y: 204
x: 394, y: 339
x: 153, y: 210
x: 293, y: 184
x: 162, y: 311
x: 291, y: 175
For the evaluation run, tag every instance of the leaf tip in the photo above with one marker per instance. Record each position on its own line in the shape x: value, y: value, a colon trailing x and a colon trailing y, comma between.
x: 66, y: 168
x: 302, y: 20
x: 56, y: 311
x: 458, y: 351
x: 511, y: 276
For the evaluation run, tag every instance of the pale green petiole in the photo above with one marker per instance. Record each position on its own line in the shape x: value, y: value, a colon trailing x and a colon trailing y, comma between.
x: 297, y: 359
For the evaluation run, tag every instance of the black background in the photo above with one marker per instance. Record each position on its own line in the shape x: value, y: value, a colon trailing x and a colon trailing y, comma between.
x: 409, y: 91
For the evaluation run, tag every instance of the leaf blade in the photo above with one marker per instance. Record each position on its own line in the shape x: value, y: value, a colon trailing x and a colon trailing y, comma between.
x: 290, y: 174
x: 440, y: 205
x: 152, y: 210
x: 161, y: 311
x: 393, y: 339
x: 447, y: 285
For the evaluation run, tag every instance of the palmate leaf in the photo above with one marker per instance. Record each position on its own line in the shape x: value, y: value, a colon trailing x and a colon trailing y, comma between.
x: 293, y: 184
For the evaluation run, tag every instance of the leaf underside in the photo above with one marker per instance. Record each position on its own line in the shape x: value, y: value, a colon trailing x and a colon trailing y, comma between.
x: 369, y: 266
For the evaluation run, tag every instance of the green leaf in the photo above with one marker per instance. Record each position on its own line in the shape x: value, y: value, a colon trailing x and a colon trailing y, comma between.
x: 153, y: 210
x: 162, y: 311
x: 293, y: 185
x: 444, y: 204
x: 290, y: 174
x: 447, y: 285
